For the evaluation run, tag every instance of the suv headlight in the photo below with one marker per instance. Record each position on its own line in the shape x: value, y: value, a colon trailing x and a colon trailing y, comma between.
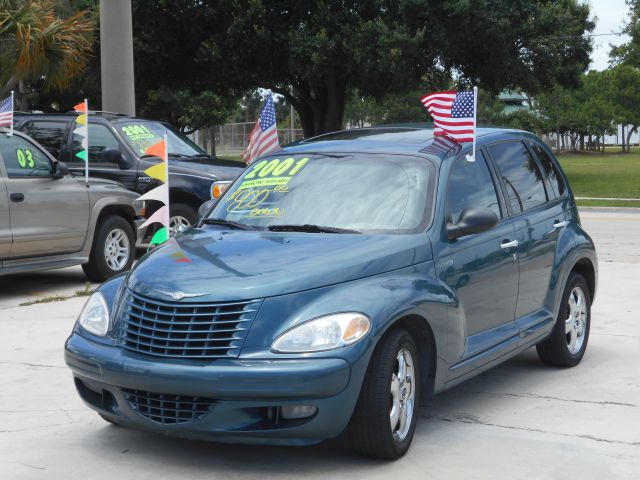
x: 94, y: 317
x: 324, y: 333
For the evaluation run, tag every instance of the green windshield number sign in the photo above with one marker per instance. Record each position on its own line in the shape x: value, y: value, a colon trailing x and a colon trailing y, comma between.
x: 273, y: 172
x: 25, y: 158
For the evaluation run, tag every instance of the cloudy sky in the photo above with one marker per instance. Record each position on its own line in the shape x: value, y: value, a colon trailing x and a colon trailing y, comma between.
x: 611, y: 14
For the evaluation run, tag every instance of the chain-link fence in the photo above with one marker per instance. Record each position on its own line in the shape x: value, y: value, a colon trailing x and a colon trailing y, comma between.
x: 232, y: 139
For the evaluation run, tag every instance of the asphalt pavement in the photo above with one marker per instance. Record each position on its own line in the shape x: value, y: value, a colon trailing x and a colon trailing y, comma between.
x: 519, y: 420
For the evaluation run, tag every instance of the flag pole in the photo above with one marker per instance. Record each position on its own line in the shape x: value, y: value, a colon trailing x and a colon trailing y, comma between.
x: 86, y: 163
x: 12, y: 113
x: 472, y: 157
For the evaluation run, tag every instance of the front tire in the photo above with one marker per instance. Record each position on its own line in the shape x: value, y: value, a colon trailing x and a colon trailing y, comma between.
x: 181, y: 217
x: 386, y: 414
x: 113, y: 249
x: 568, y: 341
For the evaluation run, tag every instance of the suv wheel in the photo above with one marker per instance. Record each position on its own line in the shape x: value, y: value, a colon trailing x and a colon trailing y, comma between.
x: 113, y: 249
x: 182, y: 216
x: 568, y: 341
x: 385, y: 418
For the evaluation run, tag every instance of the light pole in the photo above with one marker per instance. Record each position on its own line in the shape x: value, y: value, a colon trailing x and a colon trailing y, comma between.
x: 116, y: 57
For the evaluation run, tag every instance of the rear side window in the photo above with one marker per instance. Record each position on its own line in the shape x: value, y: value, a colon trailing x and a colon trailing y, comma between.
x: 23, y: 159
x: 49, y: 134
x: 550, y: 170
x: 520, y: 174
x: 470, y: 186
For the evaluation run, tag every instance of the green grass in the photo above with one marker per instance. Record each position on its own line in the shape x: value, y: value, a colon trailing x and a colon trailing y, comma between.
x: 603, y: 175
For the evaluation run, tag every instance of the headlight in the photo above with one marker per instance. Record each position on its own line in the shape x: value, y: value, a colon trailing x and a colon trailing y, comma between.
x: 324, y: 333
x: 94, y: 317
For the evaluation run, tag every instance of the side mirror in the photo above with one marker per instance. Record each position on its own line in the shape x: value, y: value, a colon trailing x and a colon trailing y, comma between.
x: 60, y: 169
x: 473, y: 220
x: 206, y: 207
x: 113, y: 155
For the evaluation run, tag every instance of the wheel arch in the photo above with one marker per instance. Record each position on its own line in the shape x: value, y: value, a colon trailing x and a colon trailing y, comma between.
x: 422, y: 333
x: 585, y: 267
x: 181, y: 196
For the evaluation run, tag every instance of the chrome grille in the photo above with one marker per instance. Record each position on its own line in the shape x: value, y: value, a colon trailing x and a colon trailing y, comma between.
x: 186, y: 329
x: 167, y: 409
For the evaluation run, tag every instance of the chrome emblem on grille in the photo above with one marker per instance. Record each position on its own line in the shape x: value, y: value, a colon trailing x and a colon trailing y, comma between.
x: 178, y: 295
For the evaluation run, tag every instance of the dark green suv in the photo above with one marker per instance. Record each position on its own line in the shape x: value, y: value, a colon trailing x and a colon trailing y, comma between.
x: 116, y: 151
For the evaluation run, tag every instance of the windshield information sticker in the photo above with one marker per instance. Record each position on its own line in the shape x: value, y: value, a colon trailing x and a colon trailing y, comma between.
x: 141, y: 136
x: 274, y: 172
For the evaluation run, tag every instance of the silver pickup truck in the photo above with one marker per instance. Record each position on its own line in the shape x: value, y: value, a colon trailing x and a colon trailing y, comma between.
x: 49, y: 219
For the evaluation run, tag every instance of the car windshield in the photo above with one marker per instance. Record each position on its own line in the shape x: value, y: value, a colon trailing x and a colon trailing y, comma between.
x: 142, y: 134
x: 353, y: 193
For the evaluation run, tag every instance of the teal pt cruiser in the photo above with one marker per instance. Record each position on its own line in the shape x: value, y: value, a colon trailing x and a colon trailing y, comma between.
x: 337, y: 285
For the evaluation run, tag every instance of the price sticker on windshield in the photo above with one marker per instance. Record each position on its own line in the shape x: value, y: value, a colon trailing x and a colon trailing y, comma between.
x: 273, y: 172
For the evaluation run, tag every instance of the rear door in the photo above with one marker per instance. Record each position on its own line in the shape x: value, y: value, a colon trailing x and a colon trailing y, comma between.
x: 539, y: 219
x: 48, y: 215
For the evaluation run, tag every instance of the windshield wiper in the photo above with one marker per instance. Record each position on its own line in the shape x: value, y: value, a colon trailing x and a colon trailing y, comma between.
x: 226, y: 223
x: 309, y: 228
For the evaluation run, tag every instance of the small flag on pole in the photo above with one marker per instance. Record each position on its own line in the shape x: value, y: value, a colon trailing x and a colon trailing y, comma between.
x: 6, y: 113
x: 454, y: 115
x: 264, y: 136
x: 160, y: 194
x: 83, y: 132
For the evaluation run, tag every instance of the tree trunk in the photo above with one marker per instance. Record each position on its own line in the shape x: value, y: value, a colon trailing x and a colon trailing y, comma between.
x: 624, y: 149
x: 581, y: 142
x: 558, y: 140
x: 631, y: 131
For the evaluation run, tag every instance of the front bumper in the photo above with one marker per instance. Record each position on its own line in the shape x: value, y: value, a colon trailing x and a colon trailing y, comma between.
x: 246, y: 394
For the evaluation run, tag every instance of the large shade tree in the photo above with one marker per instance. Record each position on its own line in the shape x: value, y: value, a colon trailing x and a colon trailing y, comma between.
x: 315, y: 52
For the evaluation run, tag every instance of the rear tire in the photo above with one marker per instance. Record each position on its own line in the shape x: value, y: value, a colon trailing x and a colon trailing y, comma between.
x: 113, y: 249
x: 568, y: 341
x: 386, y: 414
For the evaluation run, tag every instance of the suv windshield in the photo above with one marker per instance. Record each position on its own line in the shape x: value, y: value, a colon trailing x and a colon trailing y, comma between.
x: 142, y: 134
x: 332, y: 194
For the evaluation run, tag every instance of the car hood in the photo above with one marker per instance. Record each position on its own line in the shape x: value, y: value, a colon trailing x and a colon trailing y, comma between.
x: 227, y: 265
x: 212, y: 168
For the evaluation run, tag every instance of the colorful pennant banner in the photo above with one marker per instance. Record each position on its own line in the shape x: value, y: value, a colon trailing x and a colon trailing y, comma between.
x: 160, y: 194
x: 83, y: 132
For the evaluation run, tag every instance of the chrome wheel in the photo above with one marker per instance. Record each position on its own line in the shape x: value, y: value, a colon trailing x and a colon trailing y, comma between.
x: 178, y: 224
x: 575, y: 325
x: 116, y: 249
x: 403, y: 395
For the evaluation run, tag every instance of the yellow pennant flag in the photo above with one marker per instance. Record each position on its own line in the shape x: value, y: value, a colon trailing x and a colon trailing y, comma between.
x: 82, y: 119
x: 158, y: 172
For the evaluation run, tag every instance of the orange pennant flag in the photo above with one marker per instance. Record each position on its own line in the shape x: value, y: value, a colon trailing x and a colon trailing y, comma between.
x: 81, y: 107
x: 157, y: 149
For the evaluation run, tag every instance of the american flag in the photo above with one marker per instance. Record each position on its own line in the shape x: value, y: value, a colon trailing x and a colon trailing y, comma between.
x: 6, y: 112
x: 453, y: 114
x: 264, y: 136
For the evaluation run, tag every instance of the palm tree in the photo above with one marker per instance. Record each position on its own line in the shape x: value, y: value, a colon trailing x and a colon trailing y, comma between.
x: 37, y: 45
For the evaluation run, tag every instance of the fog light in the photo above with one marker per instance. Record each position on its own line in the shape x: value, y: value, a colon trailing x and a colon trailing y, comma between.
x: 295, y: 412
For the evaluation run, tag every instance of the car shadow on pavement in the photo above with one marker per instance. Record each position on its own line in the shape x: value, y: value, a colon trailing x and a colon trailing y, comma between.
x: 332, y: 457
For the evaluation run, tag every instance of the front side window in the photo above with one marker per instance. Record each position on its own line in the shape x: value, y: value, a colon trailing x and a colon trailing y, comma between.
x: 365, y: 193
x: 551, y: 171
x: 470, y: 186
x: 49, y: 134
x: 22, y: 158
x: 100, y: 139
x: 521, y: 176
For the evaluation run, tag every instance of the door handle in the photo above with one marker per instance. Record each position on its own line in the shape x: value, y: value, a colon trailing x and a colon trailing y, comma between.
x: 16, y: 197
x: 558, y: 225
x: 509, y: 244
